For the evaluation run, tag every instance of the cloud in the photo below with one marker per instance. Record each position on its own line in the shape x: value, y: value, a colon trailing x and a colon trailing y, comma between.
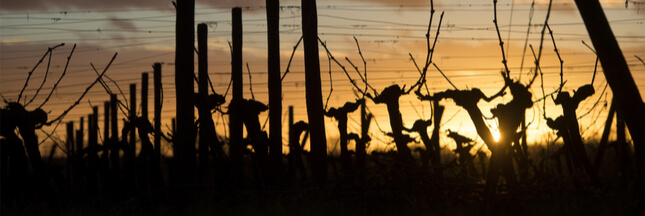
x: 122, y: 24
x: 40, y: 5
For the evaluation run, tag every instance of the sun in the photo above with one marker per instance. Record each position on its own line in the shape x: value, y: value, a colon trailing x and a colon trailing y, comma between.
x: 496, y: 135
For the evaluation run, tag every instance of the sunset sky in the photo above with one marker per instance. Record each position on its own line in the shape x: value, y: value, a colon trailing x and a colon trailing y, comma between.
x: 467, y: 51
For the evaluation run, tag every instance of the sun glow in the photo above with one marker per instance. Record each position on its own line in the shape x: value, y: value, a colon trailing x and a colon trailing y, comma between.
x: 496, y: 135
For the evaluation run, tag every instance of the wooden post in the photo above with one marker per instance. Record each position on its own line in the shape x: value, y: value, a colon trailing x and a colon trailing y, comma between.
x: 236, y: 146
x: 184, y: 146
x: 79, y: 135
x: 173, y: 126
x: 92, y: 143
x: 71, y: 153
x: 90, y: 127
x: 70, y: 139
x: 145, y: 147
x: 313, y: 93
x: 131, y: 153
x: 114, y: 139
x: 157, y: 86
x: 157, y: 175
x: 93, y: 127
x: 293, y: 144
x: 204, y: 113
x: 361, y: 152
x: 621, y: 82
x: 79, y: 171
x: 144, y: 96
x: 106, y: 126
x: 275, y: 89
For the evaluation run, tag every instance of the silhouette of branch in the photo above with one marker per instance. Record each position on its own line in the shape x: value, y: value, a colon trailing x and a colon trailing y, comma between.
x: 355, y: 68
x: 445, y: 122
x: 434, y: 43
x: 228, y: 88
x: 82, y: 95
x: 341, y: 66
x: 415, y: 110
x: 126, y: 104
x: 364, y: 79
x: 538, y: 69
x: 102, y: 82
x: 211, y: 84
x: 415, y: 64
x: 49, y: 62
x: 50, y: 135
x: 444, y: 76
x: 59, y: 79
x: 291, y: 58
x: 266, y: 120
x: 595, y: 104
x: 430, y: 52
x: 507, y: 72
x: 526, y: 40
x: 49, y: 50
x: 365, y: 65
x: 250, y: 81
x: 587, y: 45
x: 595, y: 70
x: 639, y: 58
x: 109, y: 91
x: 331, y: 85
x: 593, y: 78
x: 555, y: 48
x: 546, y: 21
x: 547, y: 95
x: 4, y: 99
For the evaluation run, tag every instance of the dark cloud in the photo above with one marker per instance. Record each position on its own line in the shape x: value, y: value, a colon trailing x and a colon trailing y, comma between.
x: 398, y: 3
x: 122, y: 24
x: 44, y: 5
x: 47, y: 5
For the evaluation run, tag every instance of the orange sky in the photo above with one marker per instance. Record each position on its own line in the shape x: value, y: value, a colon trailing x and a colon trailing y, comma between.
x: 142, y: 32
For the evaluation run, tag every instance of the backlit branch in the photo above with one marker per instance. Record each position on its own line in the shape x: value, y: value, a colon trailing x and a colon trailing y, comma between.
x: 33, y: 69
x: 82, y: 95
x: 595, y: 69
x: 434, y: 43
x: 539, y: 70
x: 342, y: 67
x: 365, y: 64
x: 331, y: 85
x: 430, y: 52
x: 109, y: 91
x: 596, y: 103
x: 507, y: 72
x: 555, y: 48
x: 639, y: 58
x: 546, y: 21
x: 250, y: 81
x: 444, y: 76
x: 291, y: 58
x: 49, y: 62
x: 59, y: 79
